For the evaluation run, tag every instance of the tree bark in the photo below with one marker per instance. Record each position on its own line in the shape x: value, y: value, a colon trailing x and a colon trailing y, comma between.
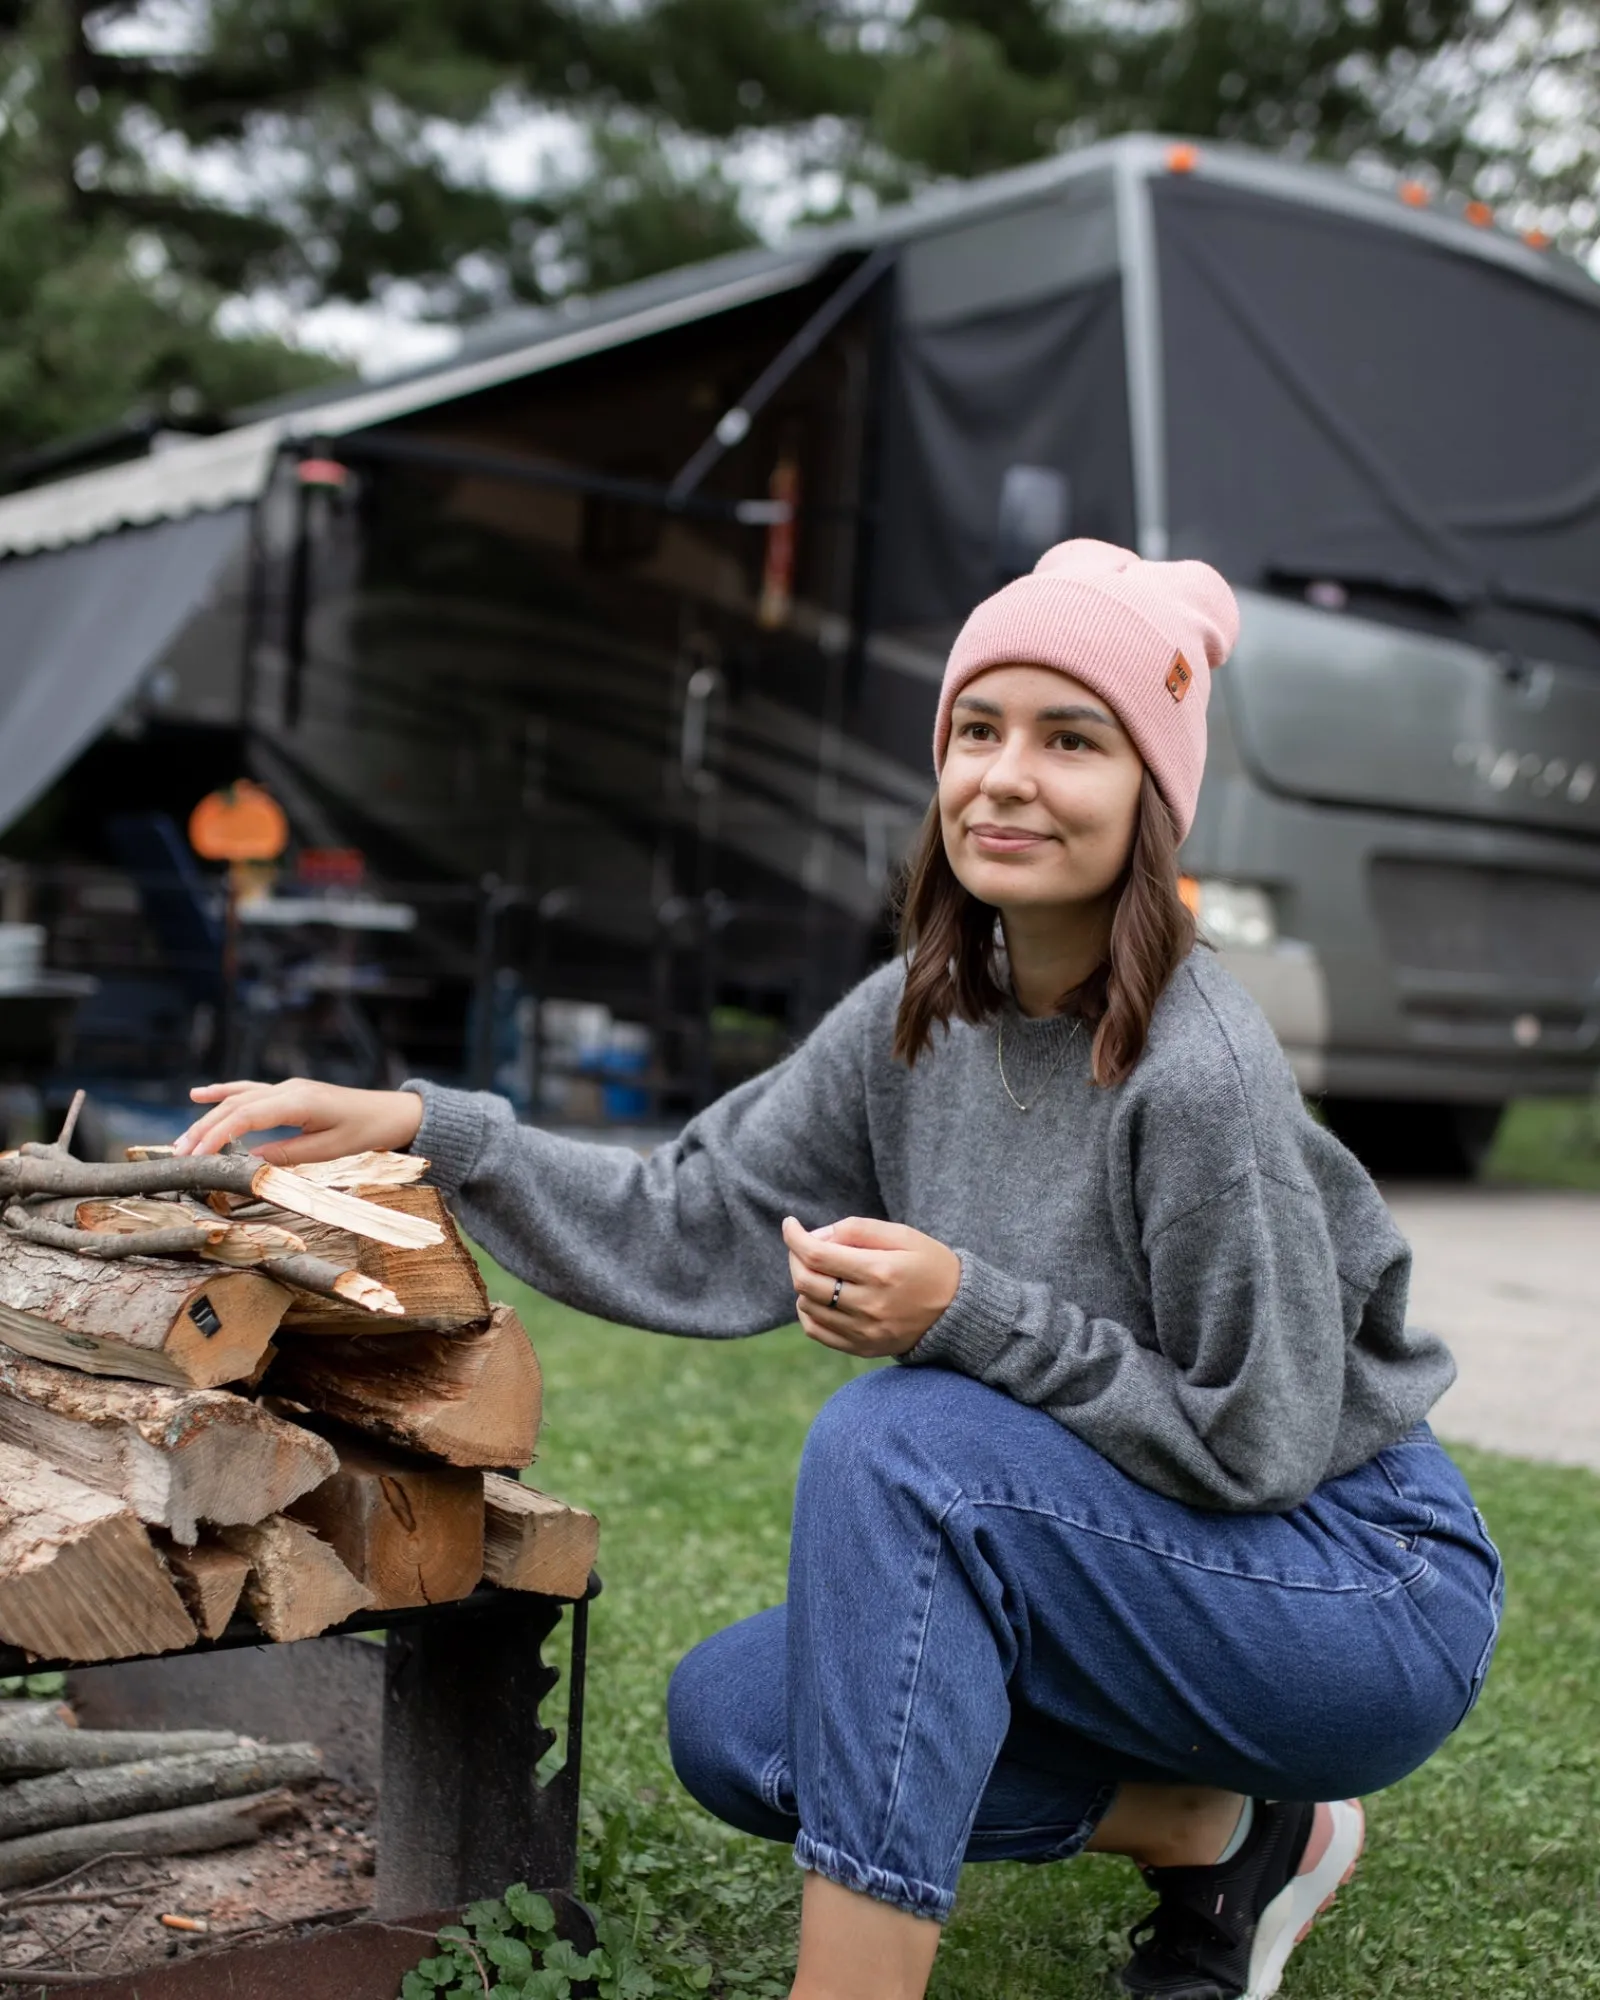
x: 297, y: 1586
x: 156, y: 1322
x: 156, y: 1784
x: 531, y: 1542
x: 439, y: 1287
x: 78, y: 1577
x: 210, y: 1581
x: 30, y: 1753
x: 411, y: 1532
x: 177, y: 1456
x: 188, y: 1830
x: 471, y: 1398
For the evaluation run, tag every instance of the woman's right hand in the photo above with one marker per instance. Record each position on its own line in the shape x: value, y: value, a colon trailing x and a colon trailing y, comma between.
x: 333, y: 1120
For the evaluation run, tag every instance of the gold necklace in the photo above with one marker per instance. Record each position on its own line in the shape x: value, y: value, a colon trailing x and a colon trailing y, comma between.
x: 1000, y: 1062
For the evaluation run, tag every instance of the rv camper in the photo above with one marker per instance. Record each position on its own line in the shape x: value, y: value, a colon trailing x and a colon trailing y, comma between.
x: 617, y: 638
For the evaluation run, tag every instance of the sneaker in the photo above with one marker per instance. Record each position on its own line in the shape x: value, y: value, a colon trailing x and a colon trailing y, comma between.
x: 1226, y: 1932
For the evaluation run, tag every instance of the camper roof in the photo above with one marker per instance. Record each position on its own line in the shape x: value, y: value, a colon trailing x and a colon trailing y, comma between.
x: 956, y: 224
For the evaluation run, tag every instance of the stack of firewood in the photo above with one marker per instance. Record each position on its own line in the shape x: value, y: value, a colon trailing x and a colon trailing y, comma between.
x: 224, y: 1383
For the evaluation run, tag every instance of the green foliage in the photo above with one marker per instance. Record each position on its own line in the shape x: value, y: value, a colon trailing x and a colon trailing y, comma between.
x: 1479, y: 1876
x: 36, y: 1687
x: 156, y: 160
x: 1548, y: 1142
x: 507, y: 1949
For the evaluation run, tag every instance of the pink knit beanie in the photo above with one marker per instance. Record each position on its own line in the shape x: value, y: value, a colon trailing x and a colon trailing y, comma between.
x: 1144, y: 635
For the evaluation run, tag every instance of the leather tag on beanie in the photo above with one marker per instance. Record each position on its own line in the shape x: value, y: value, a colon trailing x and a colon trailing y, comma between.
x: 1180, y: 677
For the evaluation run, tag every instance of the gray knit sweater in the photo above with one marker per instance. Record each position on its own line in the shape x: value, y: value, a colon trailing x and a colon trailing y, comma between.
x: 1187, y: 1271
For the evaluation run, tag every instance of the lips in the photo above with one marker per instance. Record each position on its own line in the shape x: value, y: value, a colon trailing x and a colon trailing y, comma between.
x: 1006, y: 839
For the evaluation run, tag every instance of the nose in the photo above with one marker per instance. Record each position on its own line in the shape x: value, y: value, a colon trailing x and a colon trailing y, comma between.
x: 1009, y: 773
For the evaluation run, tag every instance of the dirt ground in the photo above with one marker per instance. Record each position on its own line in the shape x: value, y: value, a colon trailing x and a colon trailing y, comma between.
x: 319, y: 1861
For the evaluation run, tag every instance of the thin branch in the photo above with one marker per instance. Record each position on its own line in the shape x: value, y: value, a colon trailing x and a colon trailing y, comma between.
x: 332, y: 1281
x: 69, y: 1124
x: 72, y: 1874
x: 184, y: 1241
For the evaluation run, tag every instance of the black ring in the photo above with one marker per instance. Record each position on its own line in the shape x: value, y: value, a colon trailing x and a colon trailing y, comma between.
x: 838, y: 1287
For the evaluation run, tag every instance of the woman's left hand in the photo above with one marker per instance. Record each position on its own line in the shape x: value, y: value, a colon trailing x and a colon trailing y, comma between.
x: 896, y: 1283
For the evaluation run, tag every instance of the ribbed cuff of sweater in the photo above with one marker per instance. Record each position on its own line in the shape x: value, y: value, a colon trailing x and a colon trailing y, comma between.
x: 451, y: 1134
x: 971, y: 1332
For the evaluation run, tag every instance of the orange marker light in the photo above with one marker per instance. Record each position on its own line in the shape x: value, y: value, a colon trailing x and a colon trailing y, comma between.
x: 1414, y: 194
x: 1479, y: 214
x: 1182, y: 159
x: 1189, y: 894
x: 1536, y: 239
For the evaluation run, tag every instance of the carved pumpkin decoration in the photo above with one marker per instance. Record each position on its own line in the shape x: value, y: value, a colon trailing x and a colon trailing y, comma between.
x: 243, y: 822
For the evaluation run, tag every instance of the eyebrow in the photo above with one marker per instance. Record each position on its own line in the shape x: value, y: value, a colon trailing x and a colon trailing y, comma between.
x: 1076, y: 714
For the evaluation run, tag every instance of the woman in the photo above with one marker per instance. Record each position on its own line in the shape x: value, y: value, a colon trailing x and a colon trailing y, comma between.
x: 1148, y: 1546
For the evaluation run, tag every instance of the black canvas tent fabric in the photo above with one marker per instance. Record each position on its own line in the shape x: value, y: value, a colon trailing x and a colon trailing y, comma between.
x: 81, y: 627
x: 1359, y: 403
x: 1038, y: 385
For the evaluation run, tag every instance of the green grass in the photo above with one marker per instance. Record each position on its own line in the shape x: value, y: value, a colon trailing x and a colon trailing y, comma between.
x: 1548, y: 1142
x: 1482, y: 1877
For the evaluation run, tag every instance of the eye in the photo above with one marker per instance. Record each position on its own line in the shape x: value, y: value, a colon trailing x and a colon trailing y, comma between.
x: 976, y: 731
x: 1069, y: 739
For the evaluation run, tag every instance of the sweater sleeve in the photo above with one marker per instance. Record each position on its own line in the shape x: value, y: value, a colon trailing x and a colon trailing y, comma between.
x: 1235, y: 1405
x: 687, y: 1240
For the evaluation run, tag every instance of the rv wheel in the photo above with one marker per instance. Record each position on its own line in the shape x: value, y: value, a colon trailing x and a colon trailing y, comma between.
x: 1402, y: 1139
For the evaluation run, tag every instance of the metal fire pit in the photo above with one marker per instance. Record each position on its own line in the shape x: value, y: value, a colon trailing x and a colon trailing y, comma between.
x: 461, y: 1810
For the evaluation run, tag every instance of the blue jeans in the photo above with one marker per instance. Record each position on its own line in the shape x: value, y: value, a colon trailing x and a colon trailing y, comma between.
x: 990, y: 1627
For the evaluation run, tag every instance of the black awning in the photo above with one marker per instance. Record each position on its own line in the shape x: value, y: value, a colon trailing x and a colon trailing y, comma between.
x: 81, y: 627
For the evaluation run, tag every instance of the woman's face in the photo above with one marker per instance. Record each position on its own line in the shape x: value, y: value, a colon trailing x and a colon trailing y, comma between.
x: 1039, y: 794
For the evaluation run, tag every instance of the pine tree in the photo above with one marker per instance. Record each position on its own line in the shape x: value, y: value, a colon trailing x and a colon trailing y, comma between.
x: 405, y: 151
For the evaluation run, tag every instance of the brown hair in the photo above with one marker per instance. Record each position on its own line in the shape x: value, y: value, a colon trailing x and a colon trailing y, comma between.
x: 949, y: 941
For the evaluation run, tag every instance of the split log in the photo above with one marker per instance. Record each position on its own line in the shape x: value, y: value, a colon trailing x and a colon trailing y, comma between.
x: 470, y: 1398
x: 153, y: 1321
x: 410, y: 1531
x: 32, y: 1752
x: 362, y: 1173
x: 439, y: 1288
x: 40, y: 1170
x: 297, y: 1586
x: 156, y: 1784
x: 225, y: 1241
x: 210, y: 1581
x: 187, y: 1830
x: 531, y: 1542
x: 78, y: 1577
x: 177, y: 1456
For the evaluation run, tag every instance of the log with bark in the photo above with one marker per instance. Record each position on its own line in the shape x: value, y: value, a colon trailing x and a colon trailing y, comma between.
x: 17, y: 1715
x: 177, y: 1456
x: 36, y: 1857
x: 297, y: 1586
x: 155, y: 1784
x: 471, y: 1398
x: 148, y: 1319
x: 31, y: 1753
x: 410, y: 1531
x: 78, y: 1577
x: 532, y: 1542
x: 439, y: 1288
x: 210, y: 1580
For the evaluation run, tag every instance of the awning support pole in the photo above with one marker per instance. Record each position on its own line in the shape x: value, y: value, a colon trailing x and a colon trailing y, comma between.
x: 734, y: 425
